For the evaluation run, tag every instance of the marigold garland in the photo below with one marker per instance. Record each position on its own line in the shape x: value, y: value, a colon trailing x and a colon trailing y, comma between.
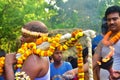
x: 33, y: 48
x: 80, y: 62
x: 106, y: 41
x: 2, y: 59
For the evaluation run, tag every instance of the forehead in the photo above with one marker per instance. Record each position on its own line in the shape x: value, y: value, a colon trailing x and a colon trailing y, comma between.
x: 58, y: 51
x: 111, y: 15
x: 24, y: 34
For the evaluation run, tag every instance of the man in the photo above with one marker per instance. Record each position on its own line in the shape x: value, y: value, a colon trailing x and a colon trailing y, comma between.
x: 37, y: 68
x: 58, y: 67
x: 111, y: 38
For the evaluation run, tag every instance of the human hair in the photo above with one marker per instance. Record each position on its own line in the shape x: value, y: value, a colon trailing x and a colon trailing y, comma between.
x: 85, y: 52
x: 2, y: 53
x: 70, y: 58
x: 56, y: 49
x: 104, y: 27
x: 36, y: 26
x: 112, y: 9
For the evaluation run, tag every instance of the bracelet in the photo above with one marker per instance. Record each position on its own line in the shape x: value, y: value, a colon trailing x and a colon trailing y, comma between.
x: 21, y: 76
x: 57, y: 76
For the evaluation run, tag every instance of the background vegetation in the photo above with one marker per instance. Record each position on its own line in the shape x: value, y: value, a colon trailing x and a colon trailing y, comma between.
x: 56, y: 14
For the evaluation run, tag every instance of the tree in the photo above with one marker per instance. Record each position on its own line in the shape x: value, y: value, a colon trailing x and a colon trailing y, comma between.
x: 14, y: 14
x: 84, y: 14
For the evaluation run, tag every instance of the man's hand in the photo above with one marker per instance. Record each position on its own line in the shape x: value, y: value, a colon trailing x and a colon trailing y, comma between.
x: 10, y: 59
x: 115, y: 75
x: 70, y: 74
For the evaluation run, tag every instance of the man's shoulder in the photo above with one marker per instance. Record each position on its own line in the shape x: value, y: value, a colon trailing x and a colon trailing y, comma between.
x: 67, y: 63
x: 51, y: 64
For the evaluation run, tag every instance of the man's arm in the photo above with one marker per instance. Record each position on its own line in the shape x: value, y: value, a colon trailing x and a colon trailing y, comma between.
x: 115, y: 75
x: 95, y: 58
x: 9, y: 61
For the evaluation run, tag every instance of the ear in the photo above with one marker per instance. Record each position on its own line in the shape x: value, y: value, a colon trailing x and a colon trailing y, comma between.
x: 34, y: 39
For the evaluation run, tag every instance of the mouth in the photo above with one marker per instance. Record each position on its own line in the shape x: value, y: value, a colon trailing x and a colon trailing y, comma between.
x: 112, y: 27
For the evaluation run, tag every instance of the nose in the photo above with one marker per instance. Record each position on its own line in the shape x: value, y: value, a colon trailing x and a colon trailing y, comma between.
x: 60, y: 55
x: 111, y: 21
x: 22, y: 39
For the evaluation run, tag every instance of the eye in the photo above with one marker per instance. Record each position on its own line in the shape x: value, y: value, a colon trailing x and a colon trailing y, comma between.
x: 25, y: 35
x: 115, y: 18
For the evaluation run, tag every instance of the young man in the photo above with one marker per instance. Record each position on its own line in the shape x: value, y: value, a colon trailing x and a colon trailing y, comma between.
x: 111, y: 38
x: 58, y: 67
x: 37, y: 68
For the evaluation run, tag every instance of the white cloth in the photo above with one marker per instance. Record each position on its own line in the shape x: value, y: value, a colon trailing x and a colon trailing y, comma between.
x: 116, y: 56
x: 104, y: 74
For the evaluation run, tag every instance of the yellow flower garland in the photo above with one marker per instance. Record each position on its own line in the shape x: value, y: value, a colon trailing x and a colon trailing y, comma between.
x: 80, y: 62
x: 2, y: 59
x: 113, y: 40
x: 31, y: 48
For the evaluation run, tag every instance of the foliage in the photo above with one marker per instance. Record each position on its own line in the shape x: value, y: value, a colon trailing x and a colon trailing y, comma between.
x: 14, y: 14
x: 56, y: 14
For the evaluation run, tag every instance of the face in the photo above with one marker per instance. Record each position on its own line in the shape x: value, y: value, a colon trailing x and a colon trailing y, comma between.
x: 57, y: 56
x: 113, y: 21
x: 26, y: 38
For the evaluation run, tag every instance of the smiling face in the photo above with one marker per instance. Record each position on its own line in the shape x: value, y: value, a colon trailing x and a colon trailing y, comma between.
x: 113, y: 21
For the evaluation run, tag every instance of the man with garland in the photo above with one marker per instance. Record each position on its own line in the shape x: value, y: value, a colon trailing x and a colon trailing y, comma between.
x: 109, y: 42
x: 35, y: 67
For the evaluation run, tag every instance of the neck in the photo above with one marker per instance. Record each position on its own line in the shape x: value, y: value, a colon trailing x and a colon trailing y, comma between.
x: 57, y: 63
x: 114, y: 33
x: 111, y: 38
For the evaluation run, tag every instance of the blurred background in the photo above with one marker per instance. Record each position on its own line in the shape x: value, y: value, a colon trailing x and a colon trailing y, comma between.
x: 59, y: 15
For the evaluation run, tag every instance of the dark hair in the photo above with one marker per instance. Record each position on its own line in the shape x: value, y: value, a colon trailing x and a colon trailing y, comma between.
x: 36, y: 26
x: 70, y: 57
x: 85, y: 52
x: 2, y: 53
x: 104, y: 27
x: 73, y: 61
x: 50, y: 57
x: 112, y: 9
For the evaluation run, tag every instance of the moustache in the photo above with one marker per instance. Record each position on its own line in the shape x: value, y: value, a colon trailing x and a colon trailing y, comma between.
x: 112, y: 25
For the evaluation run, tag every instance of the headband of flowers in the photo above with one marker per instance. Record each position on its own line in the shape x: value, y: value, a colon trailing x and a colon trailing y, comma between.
x: 32, y: 33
